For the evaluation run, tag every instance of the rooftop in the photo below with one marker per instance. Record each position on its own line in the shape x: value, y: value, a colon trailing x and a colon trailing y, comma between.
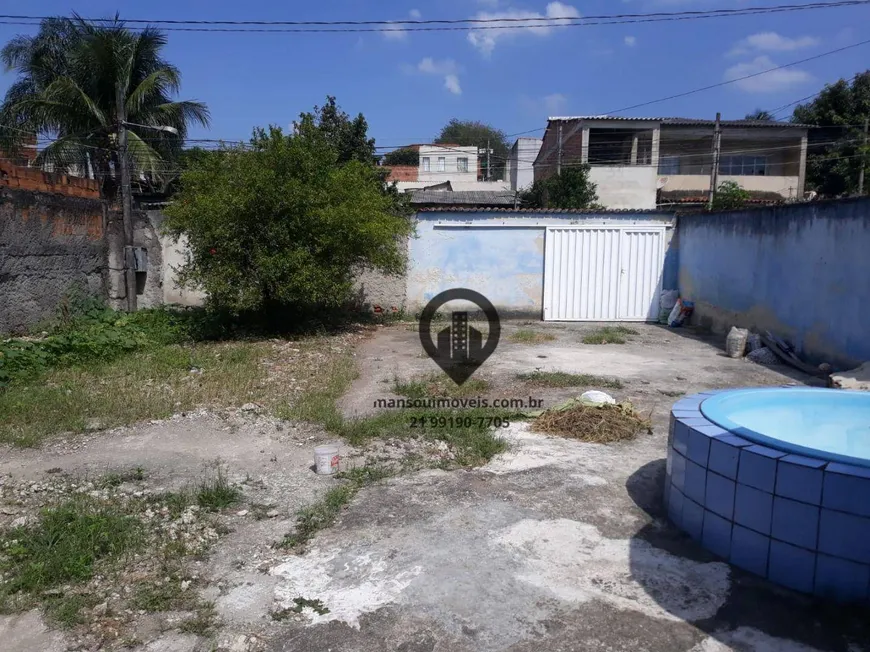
x: 687, y: 122
x: 464, y: 197
x: 548, y: 211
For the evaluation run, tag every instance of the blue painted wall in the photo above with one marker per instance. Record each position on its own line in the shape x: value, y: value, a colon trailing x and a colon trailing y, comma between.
x: 800, y: 271
x: 500, y: 255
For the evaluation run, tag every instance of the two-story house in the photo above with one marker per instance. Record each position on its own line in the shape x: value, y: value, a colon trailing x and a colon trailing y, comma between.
x: 443, y: 167
x: 650, y: 162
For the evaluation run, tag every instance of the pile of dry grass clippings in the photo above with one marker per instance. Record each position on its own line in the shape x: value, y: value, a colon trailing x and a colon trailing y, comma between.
x: 599, y: 424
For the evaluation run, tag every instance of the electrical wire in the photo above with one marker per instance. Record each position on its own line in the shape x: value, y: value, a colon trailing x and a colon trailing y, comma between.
x: 454, y: 24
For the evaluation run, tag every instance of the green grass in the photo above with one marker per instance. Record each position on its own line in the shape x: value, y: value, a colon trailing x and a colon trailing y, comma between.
x: 215, y: 493
x: 298, y: 605
x: 322, y: 514
x: 65, y: 544
x: 202, y: 623
x: 609, y: 335
x: 163, y: 595
x: 528, y: 336
x: 152, y: 384
x: 439, y: 385
x: 115, y: 479
x: 66, y: 610
x: 674, y: 394
x: 318, y: 404
x: 562, y: 379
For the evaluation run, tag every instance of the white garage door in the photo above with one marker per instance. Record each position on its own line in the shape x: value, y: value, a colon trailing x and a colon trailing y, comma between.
x: 603, y: 273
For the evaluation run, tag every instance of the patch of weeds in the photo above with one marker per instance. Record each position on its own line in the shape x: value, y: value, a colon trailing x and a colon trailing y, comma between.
x: 320, y: 515
x: 609, y: 335
x: 216, y: 493
x: 562, y: 379
x: 136, y: 474
x: 260, y: 510
x: 439, y: 385
x: 674, y: 394
x: 599, y: 424
x: 528, y: 336
x: 317, y: 405
x: 152, y: 383
x: 299, y: 604
x: 64, y: 545
x: 202, y: 623
x: 468, y: 432
x: 175, y: 501
x: 66, y: 610
x: 163, y: 595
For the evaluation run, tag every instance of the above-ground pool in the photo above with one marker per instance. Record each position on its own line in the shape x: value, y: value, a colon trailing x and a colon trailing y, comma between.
x: 777, y: 481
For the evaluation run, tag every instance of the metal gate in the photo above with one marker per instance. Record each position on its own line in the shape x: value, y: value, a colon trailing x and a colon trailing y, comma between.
x: 603, y: 273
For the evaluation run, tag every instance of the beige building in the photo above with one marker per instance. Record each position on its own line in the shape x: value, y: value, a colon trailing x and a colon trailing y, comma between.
x: 444, y: 167
x: 655, y: 162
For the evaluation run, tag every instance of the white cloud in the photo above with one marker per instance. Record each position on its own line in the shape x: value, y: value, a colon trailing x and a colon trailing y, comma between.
x: 548, y: 105
x: 398, y: 33
x: 630, y: 41
x: 555, y: 103
x: 451, y: 83
x: 432, y: 66
x: 445, y: 68
x: 771, y: 82
x: 772, y: 42
x: 394, y: 33
x: 485, y: 40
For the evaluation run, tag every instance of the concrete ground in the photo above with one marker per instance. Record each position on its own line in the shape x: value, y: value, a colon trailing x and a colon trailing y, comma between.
x: 555, y: 545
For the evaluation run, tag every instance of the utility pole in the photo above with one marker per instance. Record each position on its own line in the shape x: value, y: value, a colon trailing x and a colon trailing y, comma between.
x: 126, y: 198
x: 559, y: 153
x: 717, y: 150
x: 863, y: 159
x: 487, y: 159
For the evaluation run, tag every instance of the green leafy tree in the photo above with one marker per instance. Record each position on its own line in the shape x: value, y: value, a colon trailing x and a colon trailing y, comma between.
x: 570, y: 189
x: 760, y: 114
x: 470, y: 133
x: 836, y: 149
x: 65, y: 92
x: 349, y: 138
x: 284, y: 222
x: 403, y: 156
x: 730, y: 196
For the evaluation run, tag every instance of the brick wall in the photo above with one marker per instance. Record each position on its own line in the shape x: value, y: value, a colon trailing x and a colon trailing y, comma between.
x: 403, y: 173
x: 33, y: 179
x: 572, y: 150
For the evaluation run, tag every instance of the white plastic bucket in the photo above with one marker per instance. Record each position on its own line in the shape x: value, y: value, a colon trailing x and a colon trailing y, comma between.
x: 326, y: 459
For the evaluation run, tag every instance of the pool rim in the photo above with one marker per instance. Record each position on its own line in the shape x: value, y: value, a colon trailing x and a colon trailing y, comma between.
x: 773, y: 442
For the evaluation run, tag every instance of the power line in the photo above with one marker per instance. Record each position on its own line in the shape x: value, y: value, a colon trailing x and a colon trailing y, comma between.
x: 712, y: 86
x: 480, y: 24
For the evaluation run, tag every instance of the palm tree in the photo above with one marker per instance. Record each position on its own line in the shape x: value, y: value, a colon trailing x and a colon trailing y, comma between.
x: 69, y: 75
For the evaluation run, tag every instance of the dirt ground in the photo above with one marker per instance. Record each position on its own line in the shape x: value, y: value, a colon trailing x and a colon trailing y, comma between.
x: 554, y: 545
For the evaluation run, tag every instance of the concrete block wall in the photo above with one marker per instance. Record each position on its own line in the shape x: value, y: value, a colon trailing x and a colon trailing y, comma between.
x: 800, y: 271
x: 48, y: 245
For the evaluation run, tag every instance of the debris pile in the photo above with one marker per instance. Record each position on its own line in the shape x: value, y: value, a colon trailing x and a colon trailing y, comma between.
x: 594, y: 422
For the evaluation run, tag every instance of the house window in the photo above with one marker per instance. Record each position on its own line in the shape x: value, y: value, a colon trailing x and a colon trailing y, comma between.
x: 749, y: 166
x: 442, y: 164
x: 462, y: 165
x: 669, y: 165
x: 425, y: 161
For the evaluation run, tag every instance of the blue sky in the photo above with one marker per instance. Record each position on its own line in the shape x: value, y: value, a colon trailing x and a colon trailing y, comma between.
x: 409, y: 84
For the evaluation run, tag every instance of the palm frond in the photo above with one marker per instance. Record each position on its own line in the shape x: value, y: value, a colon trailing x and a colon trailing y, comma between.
x: 180, y: 114
x: 65, y: 90
x: 143, y: 158
x: 159, y: 84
